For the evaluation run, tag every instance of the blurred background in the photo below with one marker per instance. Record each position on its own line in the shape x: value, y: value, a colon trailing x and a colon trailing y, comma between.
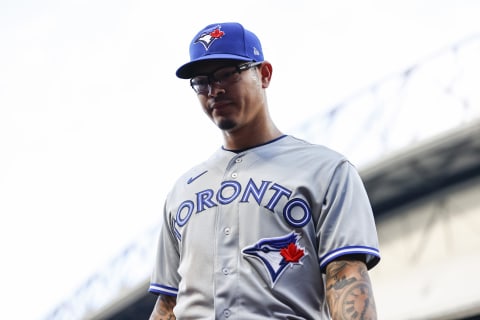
x: 95, y: 128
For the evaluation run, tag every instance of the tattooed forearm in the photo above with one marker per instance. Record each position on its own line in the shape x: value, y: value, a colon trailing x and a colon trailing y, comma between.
x: 163, y: 309
x: 349, y: 291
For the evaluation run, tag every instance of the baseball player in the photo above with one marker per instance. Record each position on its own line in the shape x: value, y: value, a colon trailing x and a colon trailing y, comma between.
x: 270, y: 226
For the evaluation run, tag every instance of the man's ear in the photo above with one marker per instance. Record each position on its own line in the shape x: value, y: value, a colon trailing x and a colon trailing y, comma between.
x: 266, y: 74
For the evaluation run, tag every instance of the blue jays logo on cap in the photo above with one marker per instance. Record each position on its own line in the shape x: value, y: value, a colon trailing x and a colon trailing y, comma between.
x: 208, y: 37
x: 221, y: 41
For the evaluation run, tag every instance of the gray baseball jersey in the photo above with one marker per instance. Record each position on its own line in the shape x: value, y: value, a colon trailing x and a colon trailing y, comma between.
x: 248, y: 235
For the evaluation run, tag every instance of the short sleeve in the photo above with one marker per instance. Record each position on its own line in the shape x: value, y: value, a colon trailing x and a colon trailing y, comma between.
x: 165, y: 277
x: 347, y: 223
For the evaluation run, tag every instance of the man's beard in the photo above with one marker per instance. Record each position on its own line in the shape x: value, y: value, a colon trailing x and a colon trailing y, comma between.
x: 226, y: 124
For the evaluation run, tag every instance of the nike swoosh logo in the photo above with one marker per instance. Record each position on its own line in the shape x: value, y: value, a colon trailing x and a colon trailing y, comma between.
x: 190, y: 180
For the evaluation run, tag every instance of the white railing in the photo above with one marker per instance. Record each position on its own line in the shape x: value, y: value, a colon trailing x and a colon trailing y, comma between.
x: 438, y: 93
x: 125, y: 272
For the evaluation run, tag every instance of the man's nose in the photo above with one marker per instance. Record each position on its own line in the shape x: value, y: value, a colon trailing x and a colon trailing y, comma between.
x: 214, y: 89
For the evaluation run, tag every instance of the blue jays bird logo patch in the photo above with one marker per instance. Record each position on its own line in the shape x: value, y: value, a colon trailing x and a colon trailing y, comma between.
x: 277, y: 253
x: 209, y: 37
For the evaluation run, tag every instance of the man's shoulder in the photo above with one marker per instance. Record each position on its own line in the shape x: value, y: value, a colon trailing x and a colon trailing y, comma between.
x: 310, y: 150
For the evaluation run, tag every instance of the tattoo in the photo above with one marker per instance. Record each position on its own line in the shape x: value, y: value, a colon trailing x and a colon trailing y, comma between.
x: 163, y: 309
x: 349, y: 291
x: 340, y: 281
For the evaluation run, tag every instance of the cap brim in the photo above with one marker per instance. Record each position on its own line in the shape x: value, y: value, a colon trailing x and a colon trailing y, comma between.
x: 190, y: 69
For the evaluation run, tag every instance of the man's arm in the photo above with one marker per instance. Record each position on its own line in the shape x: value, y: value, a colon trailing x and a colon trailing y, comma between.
x: 349, y: 290
x: 163, y: 309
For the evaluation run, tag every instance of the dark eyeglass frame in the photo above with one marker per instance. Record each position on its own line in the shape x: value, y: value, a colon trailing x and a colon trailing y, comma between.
x: 201, y: 88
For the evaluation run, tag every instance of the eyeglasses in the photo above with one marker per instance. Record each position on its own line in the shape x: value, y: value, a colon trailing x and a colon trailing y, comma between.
x: 223, y: 76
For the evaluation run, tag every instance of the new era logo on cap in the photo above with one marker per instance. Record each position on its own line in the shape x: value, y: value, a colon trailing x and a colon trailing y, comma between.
x: 227, y: 41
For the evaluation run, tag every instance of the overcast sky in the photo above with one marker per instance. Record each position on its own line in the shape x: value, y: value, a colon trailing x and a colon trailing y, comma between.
x: 94, y: 126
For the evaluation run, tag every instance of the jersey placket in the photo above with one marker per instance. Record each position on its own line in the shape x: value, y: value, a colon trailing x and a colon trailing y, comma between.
x: 227, y: 251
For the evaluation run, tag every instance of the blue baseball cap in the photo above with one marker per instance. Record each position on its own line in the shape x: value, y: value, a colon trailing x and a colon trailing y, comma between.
x: 221, y: 41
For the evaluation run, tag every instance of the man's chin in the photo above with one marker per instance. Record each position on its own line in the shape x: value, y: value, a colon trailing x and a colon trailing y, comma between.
x: 226, y: 124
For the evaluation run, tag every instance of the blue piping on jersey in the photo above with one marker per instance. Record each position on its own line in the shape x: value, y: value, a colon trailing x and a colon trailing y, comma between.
x: 374, y: 253
x: 161, y: 289
x: 241, y: 150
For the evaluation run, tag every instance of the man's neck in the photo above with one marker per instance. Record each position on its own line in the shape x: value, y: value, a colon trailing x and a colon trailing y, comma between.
x: 241, y: 139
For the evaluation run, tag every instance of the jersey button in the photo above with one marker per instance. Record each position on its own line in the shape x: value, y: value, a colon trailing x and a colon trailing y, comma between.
x: 225, y: 271
x: 234, y: 175
x: 238, y: 160
x: 227, y: 313
x: 227, y: 231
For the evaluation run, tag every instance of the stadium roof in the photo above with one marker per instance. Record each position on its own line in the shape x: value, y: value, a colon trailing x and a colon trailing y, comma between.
x: 411, y: 173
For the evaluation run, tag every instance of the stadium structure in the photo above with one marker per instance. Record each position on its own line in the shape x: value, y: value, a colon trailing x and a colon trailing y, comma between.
x: 421, y: 170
